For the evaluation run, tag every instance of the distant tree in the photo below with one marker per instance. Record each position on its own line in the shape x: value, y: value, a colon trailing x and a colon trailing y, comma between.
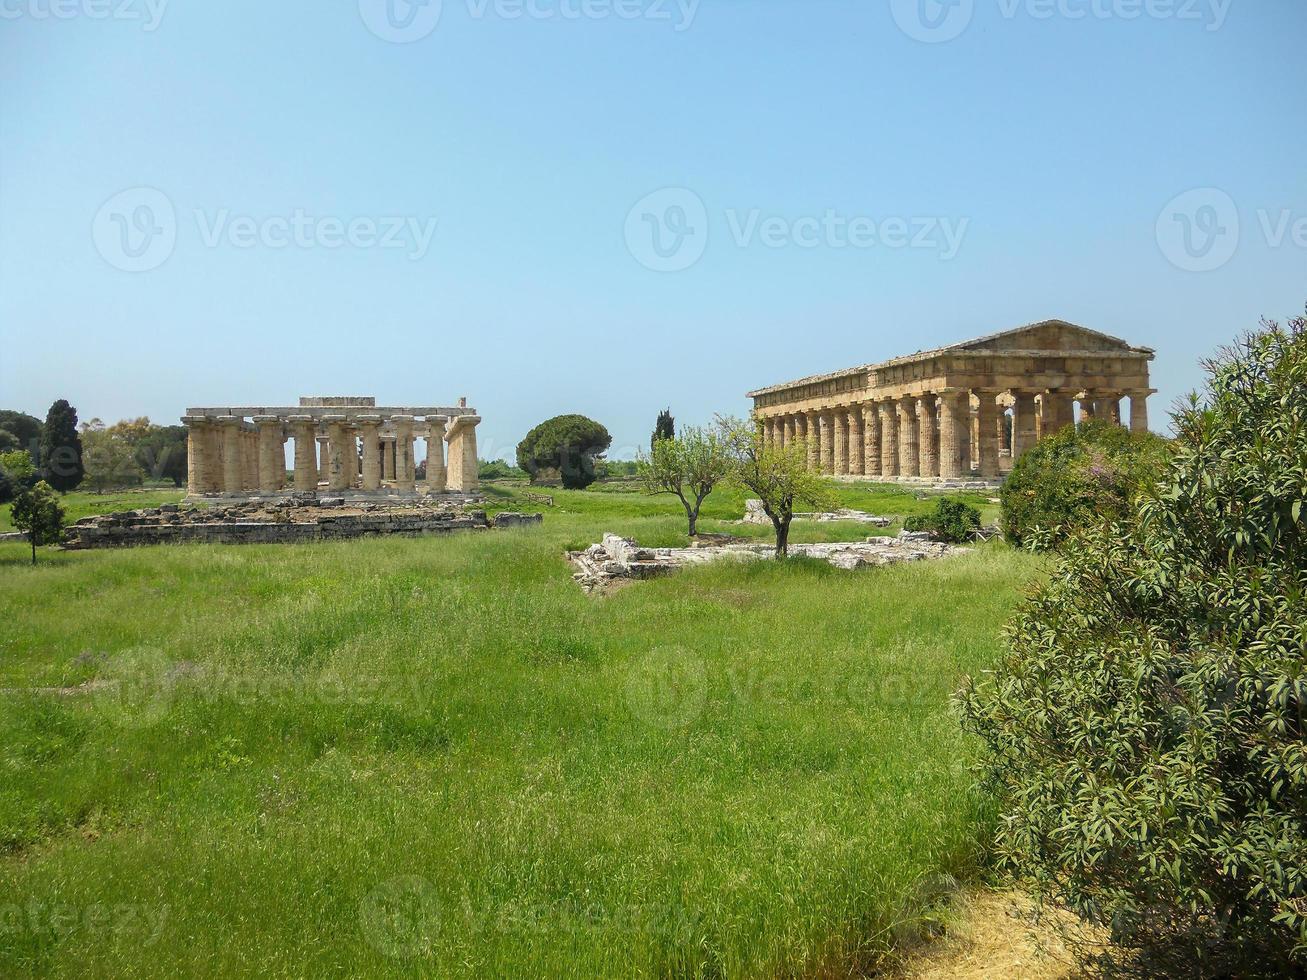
x: 688, y: 467
x: 26, y: 428
x: 664, y: 428
x: 36, y: 512
x: 61, y: 448
x: 776, y: 475
x: 109, y: 459
x: 8, y: 441
x: 567, y: 445
x: 7, y: 487
x: 160, y: 450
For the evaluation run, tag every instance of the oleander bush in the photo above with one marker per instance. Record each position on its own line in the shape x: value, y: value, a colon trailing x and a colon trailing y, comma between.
x: 1074, y: 477
x: 1147, y: 725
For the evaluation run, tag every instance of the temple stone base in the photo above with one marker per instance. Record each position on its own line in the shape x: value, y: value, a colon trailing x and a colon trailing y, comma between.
x: 925, y: 482
x: 336, y: 498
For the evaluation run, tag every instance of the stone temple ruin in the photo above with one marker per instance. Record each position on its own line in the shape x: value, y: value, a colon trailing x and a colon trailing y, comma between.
x: 344, y: 446
x: 961, y: 413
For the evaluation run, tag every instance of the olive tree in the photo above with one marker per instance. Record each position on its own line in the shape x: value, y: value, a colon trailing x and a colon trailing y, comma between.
x: 688, y: 466
x: 36, y: 512
x: 776, y: 475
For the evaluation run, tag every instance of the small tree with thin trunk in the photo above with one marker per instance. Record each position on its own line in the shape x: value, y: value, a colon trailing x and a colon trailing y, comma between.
x: 36, y: 512
x: 776, y: 475
x: 688, y: 467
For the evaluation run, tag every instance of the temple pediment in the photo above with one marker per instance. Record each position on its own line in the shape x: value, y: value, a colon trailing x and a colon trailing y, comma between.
x: 1049, y: 335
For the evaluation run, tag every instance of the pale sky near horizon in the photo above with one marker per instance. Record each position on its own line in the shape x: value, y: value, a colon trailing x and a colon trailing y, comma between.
x: 613, y: 206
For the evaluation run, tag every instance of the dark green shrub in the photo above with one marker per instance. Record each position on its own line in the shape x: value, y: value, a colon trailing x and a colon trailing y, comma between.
x: 1147, y: 726
x: 1074, y: 477
x: 563, y: 448
x: 951, y: 520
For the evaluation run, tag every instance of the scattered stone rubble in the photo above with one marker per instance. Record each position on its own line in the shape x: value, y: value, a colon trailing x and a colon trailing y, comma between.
x: 616, y: 558
x: 293, y: 519
x: 754, y: 514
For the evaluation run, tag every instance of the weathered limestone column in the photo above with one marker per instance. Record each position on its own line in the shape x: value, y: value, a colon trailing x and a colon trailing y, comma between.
x: 870, y: 440
x: 272, y: 461
x: 1109, y: 408
x: 791, y: 430
x: 338, y: 476
x: 1139, y: 411
x: 197, y: 454
x: 249, y: 459
x: 306, y: 457
x: 812, y: 425
x: 1057, y: 411
x: 840, y: 453
x: 387, y: 459
x: 212, y: 470
x: 324, y: 459
x: 1024, y: 431
x: 801, y: 432
x: 1088, y: 409
x: 988, y: 448
x: 437, y: 475
x: 909, y: 465
x: 404, y: 479
x: 233, y: 473
x: 927, y: 438
x: 462, y: 441
x: 857, y: 463
x: 826, y: 423
x: 954, y: 419
x: 889, y: 439
x: 370, y: 432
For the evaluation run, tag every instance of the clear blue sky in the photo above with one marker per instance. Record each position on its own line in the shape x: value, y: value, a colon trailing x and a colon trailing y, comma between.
x: 1051, y: 144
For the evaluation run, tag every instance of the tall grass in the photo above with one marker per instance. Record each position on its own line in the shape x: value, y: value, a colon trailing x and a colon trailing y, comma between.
x: 438, y: 757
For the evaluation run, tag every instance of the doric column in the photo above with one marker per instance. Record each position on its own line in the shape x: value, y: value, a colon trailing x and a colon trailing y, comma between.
x: 791, y: 430
x: 403, y: 425
x: 197, y: 453
x: 988, y: 448
x: 889, y: 438
x: 338, y: 477
x: 249, y: 459
x: 462, y: 441
x: 825, y: 427
x: 927, y: 438
x: 812, y: 423
x: 324, y: 459
x: 306, y: 459
x: 908, y: 462
x: 857, y: 462
x: 1139, y: 411
x: 1109, y: 408
x: 1024, y: 431
x: 370, y: 433
x: 839, y: 420
x: 233, y: 473
x: 801, y: 430
x: 387, y: 459
x: 954, y: 419
x: 1088, y: 408
x: 1058, y: 411
x: 272, y: 461
x: 437, y: 476
x: 870, y: 440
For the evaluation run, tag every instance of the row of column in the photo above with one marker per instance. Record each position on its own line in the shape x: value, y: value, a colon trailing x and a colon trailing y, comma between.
x: 228, y: 455
x: 938, y: 434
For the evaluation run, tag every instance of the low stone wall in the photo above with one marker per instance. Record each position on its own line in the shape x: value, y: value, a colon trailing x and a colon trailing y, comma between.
x: 245, y: 525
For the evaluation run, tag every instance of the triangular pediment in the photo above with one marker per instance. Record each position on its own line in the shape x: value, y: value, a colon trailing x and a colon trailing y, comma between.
x: 1048, y: 335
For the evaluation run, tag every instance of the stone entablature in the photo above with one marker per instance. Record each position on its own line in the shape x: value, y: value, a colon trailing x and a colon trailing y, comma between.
x: 944, y: 414
x: 343, y: 444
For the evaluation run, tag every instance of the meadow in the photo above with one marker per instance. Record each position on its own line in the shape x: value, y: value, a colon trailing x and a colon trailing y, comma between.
x: 438, y: 757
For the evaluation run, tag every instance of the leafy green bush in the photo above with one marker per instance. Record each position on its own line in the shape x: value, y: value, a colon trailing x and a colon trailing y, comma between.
x: 1074, y: 477
x: 951, y: 520
x: 564, y: 448
x: 497, y: 469
x: 1148, y: 723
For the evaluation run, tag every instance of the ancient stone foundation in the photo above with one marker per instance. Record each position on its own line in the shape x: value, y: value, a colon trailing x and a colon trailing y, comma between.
x: 283, y: 522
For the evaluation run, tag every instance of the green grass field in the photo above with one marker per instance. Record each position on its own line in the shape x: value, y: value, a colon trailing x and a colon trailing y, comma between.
x: 438, y: 757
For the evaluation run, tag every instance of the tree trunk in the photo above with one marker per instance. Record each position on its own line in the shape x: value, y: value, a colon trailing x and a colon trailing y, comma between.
x: 782, y: 536
x: 694, y: 523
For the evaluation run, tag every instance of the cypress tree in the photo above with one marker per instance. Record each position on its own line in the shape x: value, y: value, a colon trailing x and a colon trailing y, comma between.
x: 61, y: 448
x: 664, y: 428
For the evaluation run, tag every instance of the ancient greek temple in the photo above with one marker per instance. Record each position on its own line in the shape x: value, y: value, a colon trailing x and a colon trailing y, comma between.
x: 345, y: 445
x: 958, y: 413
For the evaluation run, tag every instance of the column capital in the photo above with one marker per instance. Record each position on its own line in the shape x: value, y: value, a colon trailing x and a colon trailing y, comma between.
x: 301, y: 420
x: 267, y: 420
x: 228, y: 420
x: 363, y: 421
